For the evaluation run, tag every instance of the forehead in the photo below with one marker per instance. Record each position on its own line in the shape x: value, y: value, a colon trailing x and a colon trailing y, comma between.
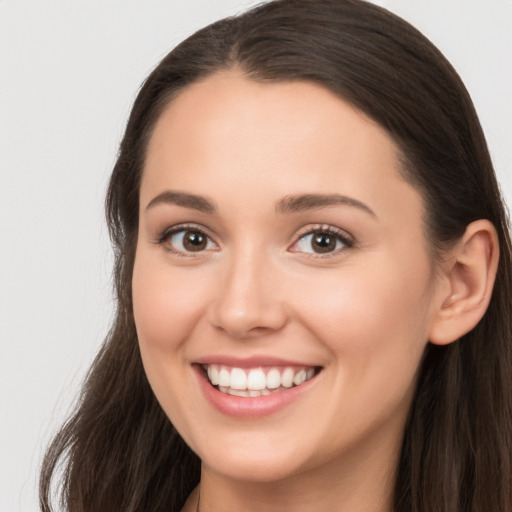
x: 270, y: 139
x: 271, y: 114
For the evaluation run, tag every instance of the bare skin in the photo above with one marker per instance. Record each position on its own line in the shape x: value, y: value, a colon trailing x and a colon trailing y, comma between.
x: 275, y: 223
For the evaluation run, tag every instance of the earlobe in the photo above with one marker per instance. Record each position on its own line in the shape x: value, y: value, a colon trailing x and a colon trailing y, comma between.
x: 469, y: 274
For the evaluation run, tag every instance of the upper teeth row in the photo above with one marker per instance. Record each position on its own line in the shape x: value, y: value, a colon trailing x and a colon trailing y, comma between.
x: 256, y: 379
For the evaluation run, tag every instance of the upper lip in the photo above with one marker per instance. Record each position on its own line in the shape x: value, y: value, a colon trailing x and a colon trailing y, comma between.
x: 249, y: 362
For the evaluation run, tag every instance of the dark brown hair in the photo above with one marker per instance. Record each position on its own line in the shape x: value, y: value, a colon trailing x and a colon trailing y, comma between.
x: 119, y: 452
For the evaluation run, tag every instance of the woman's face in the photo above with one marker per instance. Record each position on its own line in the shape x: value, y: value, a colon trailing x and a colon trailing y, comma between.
x: 277, y: 243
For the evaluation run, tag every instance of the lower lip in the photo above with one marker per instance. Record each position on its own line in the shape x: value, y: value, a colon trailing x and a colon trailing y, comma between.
x: 250, y: 407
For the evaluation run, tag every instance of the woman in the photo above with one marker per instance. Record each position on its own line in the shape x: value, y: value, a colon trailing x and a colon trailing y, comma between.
x: 313, y: 278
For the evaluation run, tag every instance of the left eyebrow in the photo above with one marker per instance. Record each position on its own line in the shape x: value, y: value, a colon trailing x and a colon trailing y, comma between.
x: 304, y: 202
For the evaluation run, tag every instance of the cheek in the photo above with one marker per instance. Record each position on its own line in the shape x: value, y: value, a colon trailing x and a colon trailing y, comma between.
x: 372, y: 314
x: 375, y: 326
x: 167, y: 304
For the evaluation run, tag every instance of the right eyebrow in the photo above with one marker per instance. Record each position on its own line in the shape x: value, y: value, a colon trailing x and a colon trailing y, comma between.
x: 184, y: 199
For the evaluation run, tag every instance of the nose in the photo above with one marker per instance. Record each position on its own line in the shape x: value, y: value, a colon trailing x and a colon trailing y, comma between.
x: 248, y: 302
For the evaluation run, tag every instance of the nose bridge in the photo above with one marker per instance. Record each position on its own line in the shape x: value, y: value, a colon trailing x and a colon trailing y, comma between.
x: 247, y: 301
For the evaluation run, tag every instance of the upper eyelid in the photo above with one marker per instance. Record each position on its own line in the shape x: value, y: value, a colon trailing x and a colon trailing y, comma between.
x: 186, y: 226
x: 315, y: 228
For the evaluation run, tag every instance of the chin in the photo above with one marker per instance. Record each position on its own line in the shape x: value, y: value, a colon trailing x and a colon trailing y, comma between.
x: 255, y: 470
x: 253, y: 462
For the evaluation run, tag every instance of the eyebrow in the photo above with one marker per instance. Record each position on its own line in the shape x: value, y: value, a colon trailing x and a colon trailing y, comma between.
x: 193, y: 201
x: 304, y: 202
x: 289, y: 204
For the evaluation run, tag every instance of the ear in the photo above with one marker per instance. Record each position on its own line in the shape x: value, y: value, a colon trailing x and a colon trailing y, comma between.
x: 467, y: 280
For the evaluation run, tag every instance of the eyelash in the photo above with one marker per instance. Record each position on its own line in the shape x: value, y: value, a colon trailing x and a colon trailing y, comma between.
x: 340, y: 235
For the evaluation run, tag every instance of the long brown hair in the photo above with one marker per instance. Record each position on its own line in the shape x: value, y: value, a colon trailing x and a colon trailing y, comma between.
x: 119, y: 452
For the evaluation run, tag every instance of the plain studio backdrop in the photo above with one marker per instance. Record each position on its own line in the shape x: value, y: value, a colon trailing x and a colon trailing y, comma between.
x: 69, y: 71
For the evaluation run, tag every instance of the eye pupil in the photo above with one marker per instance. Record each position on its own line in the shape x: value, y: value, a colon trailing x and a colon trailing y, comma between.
x: 194, y: 241
x: 323, y: 242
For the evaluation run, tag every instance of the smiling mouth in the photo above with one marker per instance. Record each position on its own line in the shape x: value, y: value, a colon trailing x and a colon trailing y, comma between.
x: 260, y: 381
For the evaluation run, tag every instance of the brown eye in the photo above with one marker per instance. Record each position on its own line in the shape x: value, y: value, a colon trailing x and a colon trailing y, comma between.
x: 188, y: 241
x: 323, y: 242
x: 194, y: 241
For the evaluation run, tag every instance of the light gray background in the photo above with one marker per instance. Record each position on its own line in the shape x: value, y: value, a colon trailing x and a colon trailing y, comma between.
x: 69, y: 71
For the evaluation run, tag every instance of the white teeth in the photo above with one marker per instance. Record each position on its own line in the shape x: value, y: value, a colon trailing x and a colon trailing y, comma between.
x: 299, y: 378
x: 213, y: 375
x: 254, y: 382
x: 238, y: 379
x: 287, y: 378
x: 273, y: 379
x: 224, y: 378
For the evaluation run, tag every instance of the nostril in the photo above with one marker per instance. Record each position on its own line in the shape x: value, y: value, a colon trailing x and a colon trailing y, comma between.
x: 250, y: 322
x: 245, y: 332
